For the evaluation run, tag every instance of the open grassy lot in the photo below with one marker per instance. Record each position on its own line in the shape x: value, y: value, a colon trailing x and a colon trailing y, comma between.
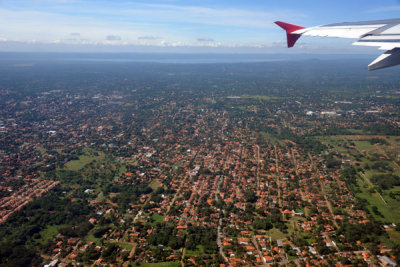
x: 48, y: 234
x: 197, y: 252
x: 388, y: 207
x: 91, y: 238
x: 271, y: 139
x: 125, y: 246
x: 276, y: 234
x: 157, y: 218
x: 372, y: 198
x: 155, y: 185
x: 394, y: 237
x: 75, y: 165
x: 41, y: 149
x: 361, y: 151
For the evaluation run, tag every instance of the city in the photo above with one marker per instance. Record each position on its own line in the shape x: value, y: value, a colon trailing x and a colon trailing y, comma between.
x: 129, y: 164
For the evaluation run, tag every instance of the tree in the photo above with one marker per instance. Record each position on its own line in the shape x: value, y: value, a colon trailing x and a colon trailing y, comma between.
x: 250, y: 196
x: 263, y: 224
x: 110, y: 252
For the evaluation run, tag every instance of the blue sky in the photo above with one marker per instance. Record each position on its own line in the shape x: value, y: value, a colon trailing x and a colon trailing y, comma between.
x: 179, y: 26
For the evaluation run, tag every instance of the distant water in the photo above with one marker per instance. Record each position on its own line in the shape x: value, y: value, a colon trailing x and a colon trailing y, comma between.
x: 176, y: 58
x: 167, y: 58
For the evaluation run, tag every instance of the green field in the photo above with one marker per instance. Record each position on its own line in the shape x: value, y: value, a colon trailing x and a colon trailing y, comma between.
x: 363, y: 145
x: 394, y: 236
x: 157, y: 219
x: 276, y: 234
x: 41, y: 149
x: 390, y: 211
x: 75, y: 165
x: 197, y: 252
x: 91, y: 238
x: 125, y: 246
x: 362, y: 153
x: 155, y: 185
x: 48, y: 234
x: 271, y: 139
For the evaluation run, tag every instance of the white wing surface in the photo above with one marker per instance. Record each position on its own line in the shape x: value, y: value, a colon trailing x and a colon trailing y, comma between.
x: 384, y: 34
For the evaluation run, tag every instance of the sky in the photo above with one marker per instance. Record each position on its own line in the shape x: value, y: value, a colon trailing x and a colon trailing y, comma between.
x: 234, y: 26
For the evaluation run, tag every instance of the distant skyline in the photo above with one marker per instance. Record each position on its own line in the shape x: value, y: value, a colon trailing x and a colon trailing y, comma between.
x: 178, y: 26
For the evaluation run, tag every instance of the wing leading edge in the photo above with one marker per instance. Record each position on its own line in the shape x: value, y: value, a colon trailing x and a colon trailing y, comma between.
x: 382, y: 33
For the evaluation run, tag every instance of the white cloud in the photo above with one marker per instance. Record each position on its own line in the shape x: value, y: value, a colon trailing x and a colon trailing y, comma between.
x: 148, y: 38
x: 134, y: 24
x: 113, y: 38
x: 205, y: 39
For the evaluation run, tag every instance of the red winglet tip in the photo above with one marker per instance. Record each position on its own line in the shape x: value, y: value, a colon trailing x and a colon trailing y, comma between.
x: 292, y: 39
x: 289, y: 28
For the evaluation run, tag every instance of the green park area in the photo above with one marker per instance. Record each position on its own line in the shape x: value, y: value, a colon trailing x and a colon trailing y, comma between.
x: 155, y: 185
x: 376, y: 162
x: 83, y: 160
x: 156, y: 218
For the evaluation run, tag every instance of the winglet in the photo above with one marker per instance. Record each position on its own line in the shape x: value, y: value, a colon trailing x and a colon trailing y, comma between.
x: 388, y: 59
x: 289, y: 28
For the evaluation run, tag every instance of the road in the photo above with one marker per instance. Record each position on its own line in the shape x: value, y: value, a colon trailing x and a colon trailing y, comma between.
x: 254, y: 240
x: 303, y: 198
x: 258, y: 170
x: 278, y: 181
x: 177, y: 194
x: 219, y: 242
x: 328, y: 203
x: 326, y: 236
x: 183, y: 257
x: 372, y: 185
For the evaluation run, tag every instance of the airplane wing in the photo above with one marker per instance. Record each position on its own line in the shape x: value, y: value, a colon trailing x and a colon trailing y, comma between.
x: 382, y: 33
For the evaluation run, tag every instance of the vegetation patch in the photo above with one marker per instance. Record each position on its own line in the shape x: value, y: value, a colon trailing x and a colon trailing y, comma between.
x: 276, y: 234
x: 155, y: 185
x: 82, y: 161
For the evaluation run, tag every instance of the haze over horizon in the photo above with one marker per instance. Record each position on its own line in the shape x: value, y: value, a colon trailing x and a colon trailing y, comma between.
x: 177, y: 26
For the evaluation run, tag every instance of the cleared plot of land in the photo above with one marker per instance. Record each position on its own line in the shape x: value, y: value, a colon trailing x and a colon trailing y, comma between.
x: 191, y: 253
x: 271, y: 139
x: 394, y: 236
x: 48, y: 234
x: 90, y: 238
x: 125, y: 246
x: 75, y: 165
x: 390, y: 213
x: 41, y: 149
x: 155, y: 185
x: 276, y: 234
x: 363, y: 145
